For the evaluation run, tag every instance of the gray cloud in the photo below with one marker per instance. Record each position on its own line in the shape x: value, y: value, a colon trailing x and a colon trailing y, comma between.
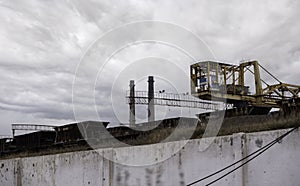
x: 42, y: 43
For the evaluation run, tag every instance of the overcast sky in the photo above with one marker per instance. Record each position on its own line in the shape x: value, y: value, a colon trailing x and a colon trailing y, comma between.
x: 42, y: 43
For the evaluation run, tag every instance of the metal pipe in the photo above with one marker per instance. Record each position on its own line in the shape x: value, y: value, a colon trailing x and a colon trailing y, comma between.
x: 151, y: 111
x: 131, y: 104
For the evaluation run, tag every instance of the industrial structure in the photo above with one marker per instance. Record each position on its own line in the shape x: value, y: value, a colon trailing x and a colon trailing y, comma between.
x: 30, y: 127
x: 152, y: 98
x: 215, y: 87
x: 213, y: 82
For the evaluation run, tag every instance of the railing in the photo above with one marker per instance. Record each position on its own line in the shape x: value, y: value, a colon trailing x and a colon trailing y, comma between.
x: 32, y: 127
x: 171, y: 99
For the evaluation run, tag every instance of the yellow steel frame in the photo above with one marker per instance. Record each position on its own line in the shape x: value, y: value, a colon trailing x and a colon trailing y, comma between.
x: 233, y: 77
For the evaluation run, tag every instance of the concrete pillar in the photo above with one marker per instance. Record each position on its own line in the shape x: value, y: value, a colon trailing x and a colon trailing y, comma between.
x: 151, y: 111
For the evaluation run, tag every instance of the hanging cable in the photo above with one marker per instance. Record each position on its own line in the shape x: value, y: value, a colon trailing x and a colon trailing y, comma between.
x: 269, y: 73
x: 263, y: 149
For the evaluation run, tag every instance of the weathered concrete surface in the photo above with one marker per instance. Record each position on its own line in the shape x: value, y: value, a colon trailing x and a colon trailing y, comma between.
x: 279, y: 165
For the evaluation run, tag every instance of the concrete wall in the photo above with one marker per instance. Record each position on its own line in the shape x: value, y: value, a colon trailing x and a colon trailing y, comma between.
x: 280, y: 165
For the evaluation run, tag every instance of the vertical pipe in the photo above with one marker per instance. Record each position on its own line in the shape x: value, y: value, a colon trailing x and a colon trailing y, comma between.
x: 131, y: 104
x: 151, y: 112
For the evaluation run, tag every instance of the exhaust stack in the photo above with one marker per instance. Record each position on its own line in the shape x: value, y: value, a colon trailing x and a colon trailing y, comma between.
x: 131, y: 104
x: 151, y: 111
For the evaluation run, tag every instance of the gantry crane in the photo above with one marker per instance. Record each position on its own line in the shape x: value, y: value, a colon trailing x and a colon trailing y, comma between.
x: 214, y: 80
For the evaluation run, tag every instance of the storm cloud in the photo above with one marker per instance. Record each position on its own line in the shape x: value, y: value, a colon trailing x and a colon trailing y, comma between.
x: 43, y: 42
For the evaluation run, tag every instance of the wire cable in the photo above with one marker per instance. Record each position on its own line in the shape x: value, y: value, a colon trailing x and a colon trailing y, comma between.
x: 262, y: 149
x: 269, y: 73
x: 221, y: 177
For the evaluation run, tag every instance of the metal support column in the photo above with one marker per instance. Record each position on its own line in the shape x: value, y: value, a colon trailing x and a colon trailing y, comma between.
x: 241, y: 76
x: 258, y: 85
